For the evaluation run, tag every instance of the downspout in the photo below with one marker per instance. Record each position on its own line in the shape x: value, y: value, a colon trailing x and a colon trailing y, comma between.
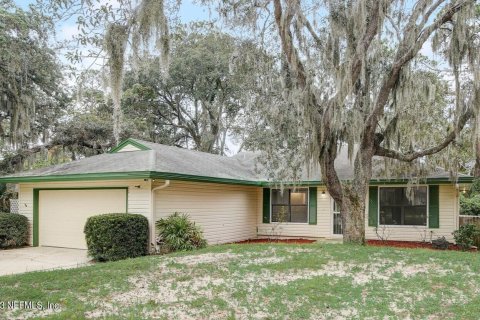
x: 152, y: 205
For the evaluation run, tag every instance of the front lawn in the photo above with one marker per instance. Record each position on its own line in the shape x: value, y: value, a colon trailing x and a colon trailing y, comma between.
x: 263, y: 281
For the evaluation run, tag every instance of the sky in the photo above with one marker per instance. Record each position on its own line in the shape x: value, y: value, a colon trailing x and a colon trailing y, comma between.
x: 189, y: 11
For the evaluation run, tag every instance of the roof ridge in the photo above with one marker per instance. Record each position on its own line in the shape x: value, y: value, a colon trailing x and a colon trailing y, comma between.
x: 183, y: 149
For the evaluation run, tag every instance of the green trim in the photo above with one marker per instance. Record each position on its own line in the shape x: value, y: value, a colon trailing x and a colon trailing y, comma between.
x: 268, y: 184
x: 196, y: 178
x: 129, y: 175
x: 376, y: 182
x: 373, y: 206
x: 312, y: 205
x: 266, y: 205
x: 127, y: 142
x: 433, y: 207
x: 80, y: 177
x: 275, y: 185
x: 36, y: 198
x: 82, y: 188
x: 35, y: 217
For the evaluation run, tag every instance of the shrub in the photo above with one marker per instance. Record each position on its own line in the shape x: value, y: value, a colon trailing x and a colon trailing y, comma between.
x: 476, y: 238
x: 116, y: 236
x: 470, y: 206
x: 465, y: 236
x: 178, y: 233
x: 474, y: 188
x: 440, y: 243
x: 13, y: 230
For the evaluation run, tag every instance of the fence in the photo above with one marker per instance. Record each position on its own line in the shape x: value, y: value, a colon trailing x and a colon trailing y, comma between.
x: 463, y: 220
x: 13, y: 205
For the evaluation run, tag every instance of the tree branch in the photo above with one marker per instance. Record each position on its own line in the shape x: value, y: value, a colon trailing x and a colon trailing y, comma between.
x: 389, y: 82
x: 286, y: 39
x: 362, y: 47
x: 410, y: 156
x: 310, y: 29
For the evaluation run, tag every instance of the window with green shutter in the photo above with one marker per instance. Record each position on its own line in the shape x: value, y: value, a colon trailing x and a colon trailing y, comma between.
x: 266, y: 205
x: 433, y: 207
x: 312, y: 211
x: 373, y: 206
x: 290, y: 205
x: 403, y: 206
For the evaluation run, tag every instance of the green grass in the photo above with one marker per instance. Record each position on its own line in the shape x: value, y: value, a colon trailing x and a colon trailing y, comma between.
x: 269, y: 281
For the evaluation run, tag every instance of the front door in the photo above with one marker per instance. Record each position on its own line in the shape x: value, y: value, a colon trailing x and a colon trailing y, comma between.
x: 337, y: 220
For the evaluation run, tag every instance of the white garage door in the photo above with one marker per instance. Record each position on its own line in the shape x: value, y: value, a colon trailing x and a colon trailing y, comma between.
x: 63, y: 213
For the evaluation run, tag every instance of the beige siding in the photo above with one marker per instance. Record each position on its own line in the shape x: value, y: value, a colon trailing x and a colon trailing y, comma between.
x: 323, y: 228
x: 229, y: 213
x: 25, y: 206
x: 448, y: 197
x: 129, y: 147
x: 139, y: 200
x: 226, y: 213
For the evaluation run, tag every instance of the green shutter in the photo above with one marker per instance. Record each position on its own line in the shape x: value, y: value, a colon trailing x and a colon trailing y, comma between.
x: 266, y: 205
x: 36, y: 197
x: 312, y: 210
x: 373, y: 206
x: 433, y: 207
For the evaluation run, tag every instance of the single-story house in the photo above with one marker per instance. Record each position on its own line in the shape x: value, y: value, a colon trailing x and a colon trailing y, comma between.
x: 226, y: 196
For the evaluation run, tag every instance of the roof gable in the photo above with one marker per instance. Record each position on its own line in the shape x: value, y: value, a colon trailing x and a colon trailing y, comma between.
x: 129, y: 145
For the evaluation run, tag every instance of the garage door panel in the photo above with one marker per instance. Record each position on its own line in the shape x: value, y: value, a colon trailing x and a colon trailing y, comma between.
x: 63, y: 213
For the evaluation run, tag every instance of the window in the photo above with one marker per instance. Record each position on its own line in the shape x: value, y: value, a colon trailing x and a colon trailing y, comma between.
x: 291, y: 205
x: 398, y: 208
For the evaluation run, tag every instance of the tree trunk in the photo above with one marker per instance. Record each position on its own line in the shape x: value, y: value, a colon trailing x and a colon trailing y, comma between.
x: 353, y: 217
x: 476, y: 169
x: 350, y: 196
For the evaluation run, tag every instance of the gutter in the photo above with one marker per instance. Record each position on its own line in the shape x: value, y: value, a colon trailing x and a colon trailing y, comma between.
x: 152, y: 214
x: 197, y: 178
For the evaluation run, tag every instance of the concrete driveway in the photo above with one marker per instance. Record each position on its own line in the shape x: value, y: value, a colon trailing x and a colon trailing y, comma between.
x: 22, y: 260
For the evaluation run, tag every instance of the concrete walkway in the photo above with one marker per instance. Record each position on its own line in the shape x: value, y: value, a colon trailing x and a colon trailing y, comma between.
x: 22, y: 260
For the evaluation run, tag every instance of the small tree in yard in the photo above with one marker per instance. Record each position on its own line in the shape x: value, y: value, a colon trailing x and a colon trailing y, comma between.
x: 352, y: 75
x: 178, y: 233
x: 466, y: 236
x: 383, y: 233
x: 470, y: 201
x: 276, y: 228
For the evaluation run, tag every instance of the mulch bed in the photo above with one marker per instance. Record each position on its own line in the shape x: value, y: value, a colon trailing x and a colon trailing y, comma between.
x: 410, y: 244
x: 375, y: 243
x: 296, y: 241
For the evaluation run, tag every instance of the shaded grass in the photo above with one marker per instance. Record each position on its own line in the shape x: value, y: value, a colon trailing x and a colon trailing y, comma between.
x: 298, y: 281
